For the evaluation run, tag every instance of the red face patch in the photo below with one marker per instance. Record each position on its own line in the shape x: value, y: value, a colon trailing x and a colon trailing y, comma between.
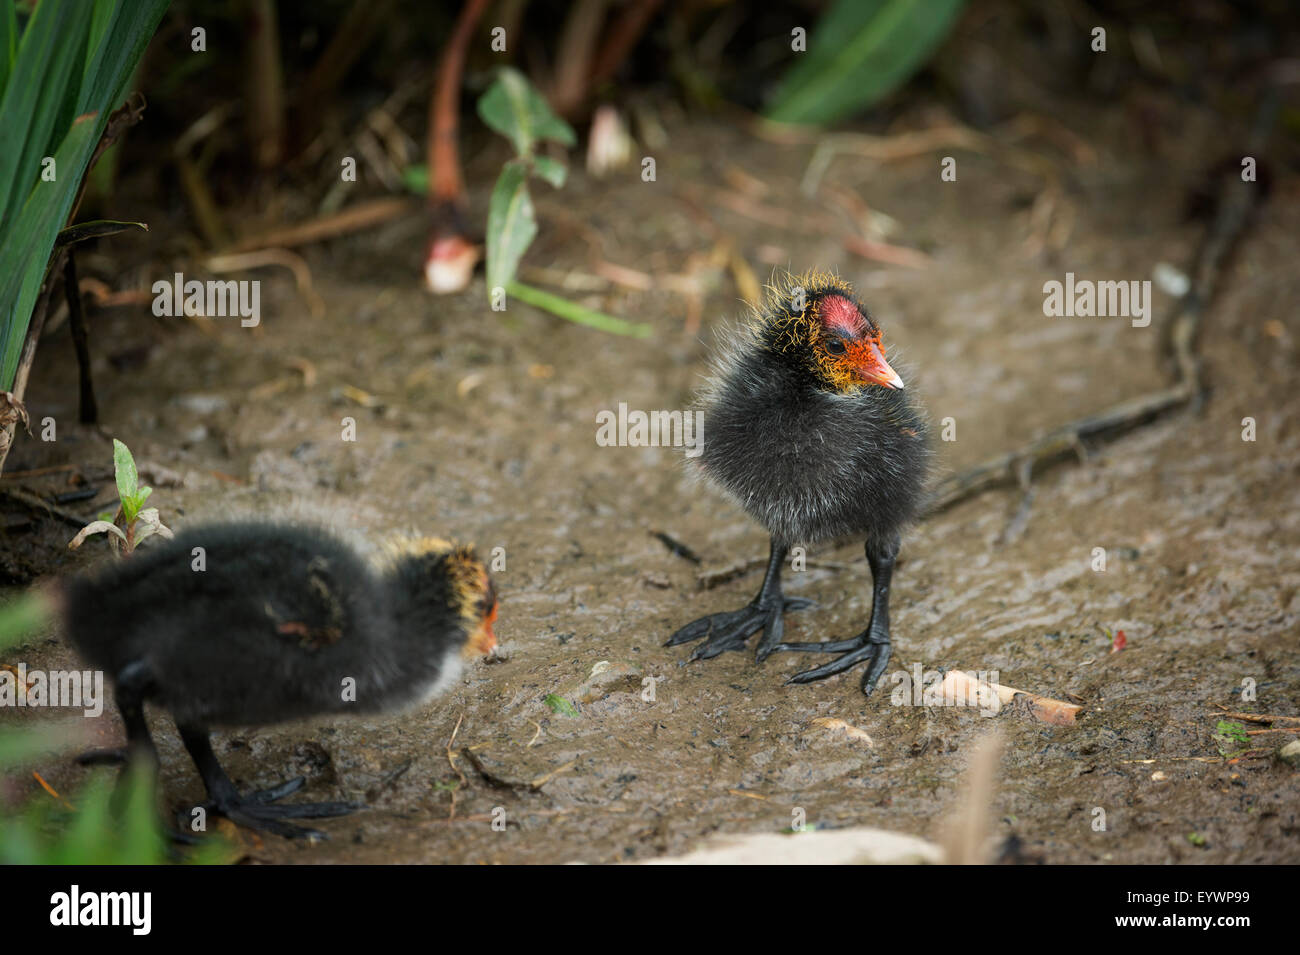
x: 838, y: 314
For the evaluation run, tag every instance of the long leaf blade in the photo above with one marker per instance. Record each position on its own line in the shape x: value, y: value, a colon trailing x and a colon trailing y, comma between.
x: 859, y: 53
x: 512, y: 224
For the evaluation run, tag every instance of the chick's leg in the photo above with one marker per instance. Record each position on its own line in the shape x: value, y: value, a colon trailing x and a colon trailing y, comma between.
x: 730, y: 630
x: 872, y: 645
x: 254, y: 810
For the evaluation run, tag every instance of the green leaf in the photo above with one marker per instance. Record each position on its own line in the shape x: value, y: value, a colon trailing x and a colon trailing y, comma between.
x: 25, y: 249
x: 859, y: 52
x: 8, y: 41
x: 21, y: 616
x: 560, y: 705
x: 1232, y: 730
x: 416, y: 179
x: 124, y: 468
x: 517, y: 111
x: 511, y: 226
x: 72, y: 66
x: 578, y: 314
x: 552, y: 170
x: 94, y: 229
x: 114, y: 58
x: 45, y: 81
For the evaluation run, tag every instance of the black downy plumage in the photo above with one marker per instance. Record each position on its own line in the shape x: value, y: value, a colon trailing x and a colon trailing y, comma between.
x: 808, y: 428
x: 249, y: 624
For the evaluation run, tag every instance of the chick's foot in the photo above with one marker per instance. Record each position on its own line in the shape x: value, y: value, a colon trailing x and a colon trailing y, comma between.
x: 867, y: 647
x: 732, y: 629
x: 257, y: 810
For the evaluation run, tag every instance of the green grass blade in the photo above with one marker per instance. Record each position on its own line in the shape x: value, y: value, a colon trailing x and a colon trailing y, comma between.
x: 571, y: 311
x: 859, y: 53
x: 113, y: 60
x: 43, y: 87
x: 8, y: 40
x: 25, y: 248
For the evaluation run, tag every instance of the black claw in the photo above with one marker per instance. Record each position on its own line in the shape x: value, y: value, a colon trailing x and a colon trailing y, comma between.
x: 286, y: 788
x: 863, y: 648
x: 732, y: 629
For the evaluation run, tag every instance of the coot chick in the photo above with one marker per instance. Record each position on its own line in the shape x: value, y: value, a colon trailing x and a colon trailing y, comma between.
x: 810, y: 431
x: 250, y: 624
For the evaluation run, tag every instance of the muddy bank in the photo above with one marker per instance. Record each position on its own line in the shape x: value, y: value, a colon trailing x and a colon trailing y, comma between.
x: 483, y: 426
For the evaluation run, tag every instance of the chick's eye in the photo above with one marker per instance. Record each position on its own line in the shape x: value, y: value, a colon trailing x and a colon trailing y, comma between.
x: 835, y: 347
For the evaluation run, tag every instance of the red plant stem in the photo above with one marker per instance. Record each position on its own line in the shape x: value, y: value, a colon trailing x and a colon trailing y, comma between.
x: 446, y: 184
x: 622, y: 39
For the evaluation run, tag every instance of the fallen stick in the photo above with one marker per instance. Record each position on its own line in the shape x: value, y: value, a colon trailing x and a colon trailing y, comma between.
x: 1256, y: 717
x: 363, y: 215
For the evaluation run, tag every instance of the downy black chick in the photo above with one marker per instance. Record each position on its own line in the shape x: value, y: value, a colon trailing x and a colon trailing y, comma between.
x: 249, y: 624
x: 808, y: 428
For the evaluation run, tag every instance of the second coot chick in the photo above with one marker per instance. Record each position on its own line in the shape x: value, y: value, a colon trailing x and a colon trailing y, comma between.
x: 808, y: 428
x: 249, y: 624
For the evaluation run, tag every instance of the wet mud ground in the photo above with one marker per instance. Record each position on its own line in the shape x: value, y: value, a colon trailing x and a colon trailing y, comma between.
x: 485, y: 430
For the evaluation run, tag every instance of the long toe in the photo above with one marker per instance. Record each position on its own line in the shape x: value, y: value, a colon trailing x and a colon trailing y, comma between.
x: 705, y: 626
x: 274, y: 826
x: 773, y: 631
x: 790, y: 604
x: 877, y: 668
x: 692, y: 631
x: 731, y: 632
x: 286, y: 788
x: 828, y: 646
x: 876, y: 652
x: 302, y: 810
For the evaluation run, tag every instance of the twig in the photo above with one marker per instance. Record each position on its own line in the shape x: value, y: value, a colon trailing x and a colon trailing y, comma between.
x: 290, y: 260
x: 30, y: 500
x: 265, y: 83
x: 50, y: 789
x: 675, y: 547
x: 545, y: 778
x: 363, y: 215
x: 38, y: 472
x: 1256, y: 717
x: 89, y: 413
x: 1236, y: 202
x: 451, y: 761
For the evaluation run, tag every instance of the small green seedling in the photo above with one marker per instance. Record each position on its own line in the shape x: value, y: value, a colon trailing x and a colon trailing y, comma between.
x: 133, y: 523
x: 513, y: 108
x: 560, y: 705
x: 1231, y: 738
